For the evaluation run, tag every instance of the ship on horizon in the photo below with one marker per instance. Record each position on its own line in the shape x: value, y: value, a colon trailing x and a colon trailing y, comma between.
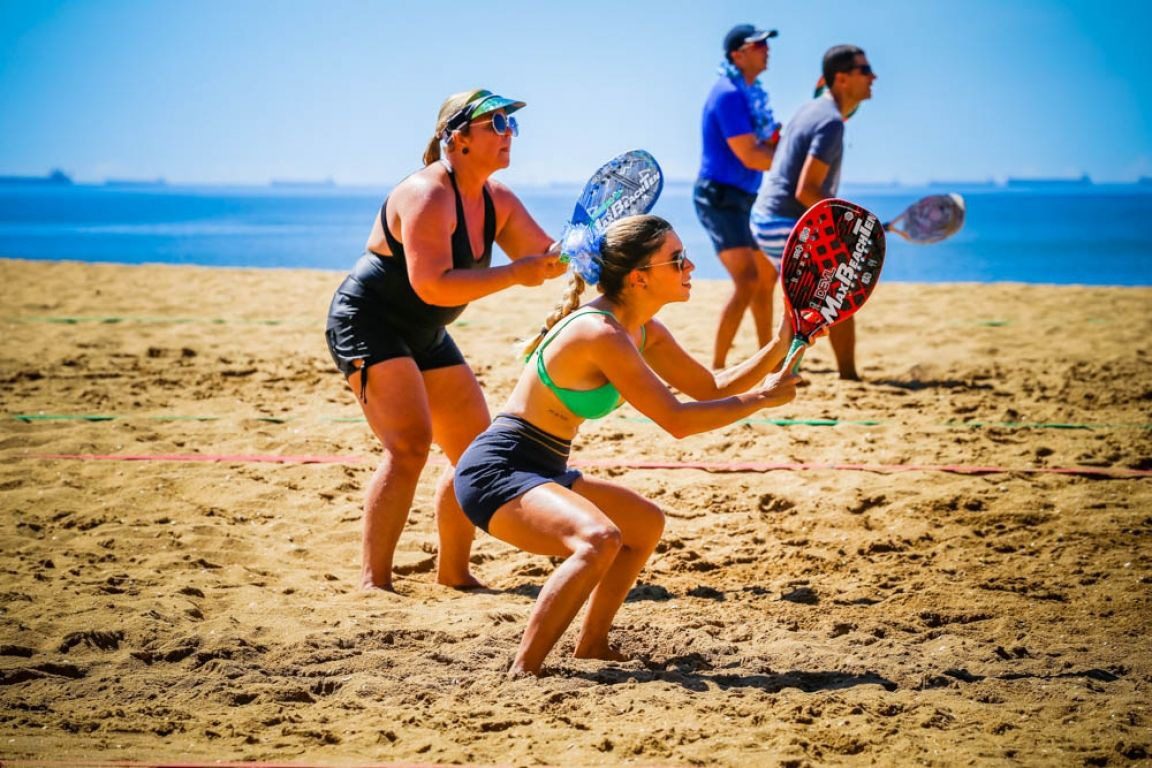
x: 1054, y: 181
x: 57, y: 178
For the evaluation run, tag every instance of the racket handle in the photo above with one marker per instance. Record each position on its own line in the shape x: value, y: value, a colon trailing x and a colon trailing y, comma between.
x: 795, y: 353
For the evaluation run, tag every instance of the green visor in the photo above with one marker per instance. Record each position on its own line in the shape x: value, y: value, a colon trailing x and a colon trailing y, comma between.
x: 491, y: 103
x: 485, y: 102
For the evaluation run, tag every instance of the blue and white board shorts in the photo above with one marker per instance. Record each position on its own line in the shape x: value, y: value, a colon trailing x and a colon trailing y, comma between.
x: 771, y: 233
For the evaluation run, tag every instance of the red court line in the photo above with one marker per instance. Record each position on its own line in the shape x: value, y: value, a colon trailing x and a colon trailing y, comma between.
x: 706, y: 466
x: 4, y: 763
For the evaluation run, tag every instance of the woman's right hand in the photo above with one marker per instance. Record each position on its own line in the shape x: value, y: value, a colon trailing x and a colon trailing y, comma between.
x: 778, y: 388
x: 534, y: 270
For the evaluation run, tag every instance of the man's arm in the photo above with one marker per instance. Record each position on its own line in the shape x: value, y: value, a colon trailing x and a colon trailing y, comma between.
x: 751, y: 152
x: 810, y: 185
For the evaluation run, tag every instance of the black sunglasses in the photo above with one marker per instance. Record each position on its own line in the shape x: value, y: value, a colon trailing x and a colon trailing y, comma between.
x: 865, y: 69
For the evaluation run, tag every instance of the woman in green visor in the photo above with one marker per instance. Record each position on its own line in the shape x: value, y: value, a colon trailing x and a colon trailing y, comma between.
x: 428, y: 255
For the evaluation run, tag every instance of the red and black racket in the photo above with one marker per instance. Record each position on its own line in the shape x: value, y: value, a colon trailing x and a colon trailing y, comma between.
x: 830, y: 265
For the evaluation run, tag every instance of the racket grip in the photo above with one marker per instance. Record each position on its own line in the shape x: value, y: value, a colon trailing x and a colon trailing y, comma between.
x: 795, y: 353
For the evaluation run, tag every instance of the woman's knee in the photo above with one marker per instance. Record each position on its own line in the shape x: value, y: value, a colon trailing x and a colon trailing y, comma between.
x: 647, y: 527
x: 409, y: 449
x: 600, y: 541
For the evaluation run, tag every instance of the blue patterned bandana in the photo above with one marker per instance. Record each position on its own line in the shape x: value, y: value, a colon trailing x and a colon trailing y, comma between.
x: 580, y: 247
x: 763, y: 119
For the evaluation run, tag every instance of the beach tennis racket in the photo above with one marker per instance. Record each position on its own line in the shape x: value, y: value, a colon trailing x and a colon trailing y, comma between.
x: 831, y: 263
x: 930, y: 219
x: 627, y: 185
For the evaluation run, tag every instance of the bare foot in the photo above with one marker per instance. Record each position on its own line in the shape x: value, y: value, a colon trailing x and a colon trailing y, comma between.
x: 370, y: 587
x: 601, y: 651
x: 465, y: 583
x: 516, y: 672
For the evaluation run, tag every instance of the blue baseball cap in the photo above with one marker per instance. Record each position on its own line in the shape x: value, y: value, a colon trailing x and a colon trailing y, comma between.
x: 742, y: 34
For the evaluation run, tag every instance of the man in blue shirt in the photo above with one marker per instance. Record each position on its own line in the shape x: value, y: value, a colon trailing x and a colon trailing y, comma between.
x: 739, y: 134
x: 807, y: 170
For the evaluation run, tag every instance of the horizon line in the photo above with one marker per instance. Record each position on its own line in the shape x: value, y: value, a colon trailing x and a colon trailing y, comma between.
x: 58, y: 178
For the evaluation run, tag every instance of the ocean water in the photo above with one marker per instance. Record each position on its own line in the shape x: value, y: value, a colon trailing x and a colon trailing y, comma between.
x: 1054, y: 234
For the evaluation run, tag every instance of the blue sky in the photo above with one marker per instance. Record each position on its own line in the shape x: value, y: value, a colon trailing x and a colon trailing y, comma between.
x: 245, y: 91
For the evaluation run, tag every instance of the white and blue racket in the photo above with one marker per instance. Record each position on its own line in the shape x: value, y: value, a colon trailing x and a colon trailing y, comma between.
x: 627, y: 185
x: 930, y: 219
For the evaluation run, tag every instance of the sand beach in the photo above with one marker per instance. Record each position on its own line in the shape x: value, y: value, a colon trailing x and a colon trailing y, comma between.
x: 948, y: 563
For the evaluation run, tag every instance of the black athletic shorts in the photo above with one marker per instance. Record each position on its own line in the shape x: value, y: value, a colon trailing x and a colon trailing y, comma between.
x: 506, y: 461
x: 357, y: 330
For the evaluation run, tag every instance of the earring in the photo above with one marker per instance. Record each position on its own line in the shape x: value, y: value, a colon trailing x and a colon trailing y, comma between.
x: 464, y: 151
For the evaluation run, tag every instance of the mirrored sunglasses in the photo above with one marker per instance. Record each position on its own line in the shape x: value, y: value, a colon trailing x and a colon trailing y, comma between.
x: 680, y: 259
x: 501, y: 124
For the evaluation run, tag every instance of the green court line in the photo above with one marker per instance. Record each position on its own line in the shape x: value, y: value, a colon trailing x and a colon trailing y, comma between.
x: 950, y: 424
x: 814, y: 422
x: 29, y: 417
x: 1042, y: 425
x: 185, y: 418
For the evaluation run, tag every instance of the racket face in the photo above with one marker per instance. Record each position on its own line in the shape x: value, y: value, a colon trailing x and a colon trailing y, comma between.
x: 831, y: 264
x: 627, y: 185
x: 933, y: 218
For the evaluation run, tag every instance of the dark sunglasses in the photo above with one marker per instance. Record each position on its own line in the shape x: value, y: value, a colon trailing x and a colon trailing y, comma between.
x: 680, y: 259
x: 502, y: 124
x: 865, y: 69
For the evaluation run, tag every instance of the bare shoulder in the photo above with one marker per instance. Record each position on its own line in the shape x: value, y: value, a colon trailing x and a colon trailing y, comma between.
x: 655, y: 330
x: 502, y: 195
x: 600, y: 329
x: 426, y: 188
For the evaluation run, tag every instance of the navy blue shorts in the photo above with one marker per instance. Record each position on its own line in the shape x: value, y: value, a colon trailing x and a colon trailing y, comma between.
x: 506, y: 461
x: 357, y: 331
x: 724, y: 211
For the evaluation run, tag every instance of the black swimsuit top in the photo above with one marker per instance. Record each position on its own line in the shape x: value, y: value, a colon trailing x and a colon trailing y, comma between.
x: 386, y: 278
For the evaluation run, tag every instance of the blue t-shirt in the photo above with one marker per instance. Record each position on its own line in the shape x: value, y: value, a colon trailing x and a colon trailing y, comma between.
x: 726, y: 114
x: 816, y: 129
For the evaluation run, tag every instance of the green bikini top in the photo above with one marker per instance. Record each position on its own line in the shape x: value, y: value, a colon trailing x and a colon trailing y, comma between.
x: 585, y: 403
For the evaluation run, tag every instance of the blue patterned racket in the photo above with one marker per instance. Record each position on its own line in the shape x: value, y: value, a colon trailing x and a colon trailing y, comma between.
x: 627, y: 185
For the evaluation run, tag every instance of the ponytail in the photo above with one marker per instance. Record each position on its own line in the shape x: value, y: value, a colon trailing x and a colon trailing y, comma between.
x: 432, y: 153
x: 450, y: 107
x: 568, y: 304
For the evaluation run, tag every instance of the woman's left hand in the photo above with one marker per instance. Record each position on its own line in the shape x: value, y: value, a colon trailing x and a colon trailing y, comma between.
x: 534, y: 270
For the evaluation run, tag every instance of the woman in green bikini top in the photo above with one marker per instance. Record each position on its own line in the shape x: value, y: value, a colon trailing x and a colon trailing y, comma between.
x: 514, y: 480
x: 589, y: 358
x: 585, y: 403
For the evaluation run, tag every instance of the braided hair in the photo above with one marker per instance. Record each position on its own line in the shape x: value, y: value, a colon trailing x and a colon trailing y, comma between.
x: 626, y: 245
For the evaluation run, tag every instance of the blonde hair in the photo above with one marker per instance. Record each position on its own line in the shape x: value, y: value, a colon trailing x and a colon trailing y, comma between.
x: 450, y: 107
x: 569, y: 302
x: 627, y: 244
